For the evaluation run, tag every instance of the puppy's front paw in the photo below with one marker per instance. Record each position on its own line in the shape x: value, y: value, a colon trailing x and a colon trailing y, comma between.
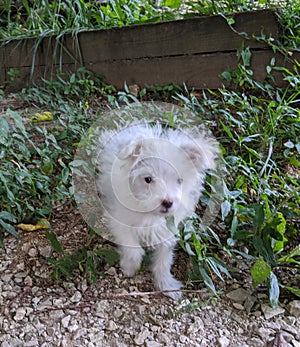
x: 170, y: 283
x: 129, y: 269
x: 130, y: 260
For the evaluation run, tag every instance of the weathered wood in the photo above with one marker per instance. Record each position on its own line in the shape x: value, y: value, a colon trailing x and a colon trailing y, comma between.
x: 193, y: 51
x: 200, y: 72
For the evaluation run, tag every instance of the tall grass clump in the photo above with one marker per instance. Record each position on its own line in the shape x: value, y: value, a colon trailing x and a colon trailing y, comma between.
x: 40, y: 18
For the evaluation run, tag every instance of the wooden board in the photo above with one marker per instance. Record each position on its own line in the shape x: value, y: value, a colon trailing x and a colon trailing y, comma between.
x: 193, y: 51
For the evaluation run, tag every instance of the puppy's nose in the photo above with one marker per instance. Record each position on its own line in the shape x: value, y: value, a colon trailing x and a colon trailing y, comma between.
x: 167, y: 203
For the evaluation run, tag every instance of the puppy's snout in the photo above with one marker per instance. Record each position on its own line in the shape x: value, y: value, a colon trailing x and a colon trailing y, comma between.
x: 167, y: 203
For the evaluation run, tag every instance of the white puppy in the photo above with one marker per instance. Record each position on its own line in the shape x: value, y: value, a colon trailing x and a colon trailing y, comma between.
x: 148, y: 173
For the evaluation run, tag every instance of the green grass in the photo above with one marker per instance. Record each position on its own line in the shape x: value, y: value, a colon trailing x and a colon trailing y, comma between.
x: 26, y: 19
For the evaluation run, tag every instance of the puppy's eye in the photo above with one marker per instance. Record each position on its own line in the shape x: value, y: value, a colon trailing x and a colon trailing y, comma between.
x: 148, y: 179
x: 179, y: 180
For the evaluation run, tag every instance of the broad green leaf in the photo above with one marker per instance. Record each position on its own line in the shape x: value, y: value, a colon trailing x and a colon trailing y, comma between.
x: 7, y: 216
x: 259, y: 217
x: 172, y: 3
x: 295, y: 291
x: 110, y: 256
x: 65, y: 174
x: 54, y: 242
x: 207, y: 280
x: 225, y: 208
x: 290, y: 257
x: 9, y: 228
x: 47, y: 168
x: 264, y: 249
x: 260, y: 272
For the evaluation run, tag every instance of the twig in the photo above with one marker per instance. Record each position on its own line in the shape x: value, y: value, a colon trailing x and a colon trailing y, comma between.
x: 121, y: 295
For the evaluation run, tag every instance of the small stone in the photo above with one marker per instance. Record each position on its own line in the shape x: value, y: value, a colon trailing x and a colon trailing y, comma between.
x: 46, y: 251
x: 141, y: 309
x: 164, y: 338
x: 6, y: 278
x: 72, y: 328
x: 271, y: 312
x: 65, y: 321
x: 295, y: 343
x: 249, y: 303
x: 264, y: 333
x: 111, y: 326
x: 196, y: 326
x: 294, y: 308
x: 141, y: 337
x: 32, y: 252
x: 134, y: 90
x: 118, y: 313
x: 238, y: 295
x: 31, y: 343
x: 112, y: 271
x: 290, y: 329
x: 28, y: 281
x: 238, y: 306
x: 20, y: 314
x: 153, y: 344
x: 50, y: 331
x: 76, y: 297
x: 223, y: 341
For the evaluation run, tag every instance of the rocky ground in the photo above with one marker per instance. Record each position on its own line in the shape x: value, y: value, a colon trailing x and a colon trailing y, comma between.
x: 36, y: 311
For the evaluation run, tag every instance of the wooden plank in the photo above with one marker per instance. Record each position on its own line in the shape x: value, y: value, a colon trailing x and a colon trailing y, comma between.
x: 182, y: 37
x: 194, y: 51
x: 200, y: 72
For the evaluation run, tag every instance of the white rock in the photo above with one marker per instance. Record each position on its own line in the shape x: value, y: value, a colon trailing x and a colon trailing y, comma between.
x: 196, y: 326
x: 111, y: 325
x: 73, y: 327
x: 112, y: 271
x: 65, y: 321
x: 294, y: 308
x: 32, y: 252
x: 223, y: 341
x: 238, y: 306
x: 264, y: 333
x: 271, y: 312
x: 153, y: 344
x: 141, y: 337
x: 76, y: 297
x: 46, y: 251
x: 6, y: 278
x: 295, y: 343
x: 31, y: 343
x: 28, y: 281
x: 238, y: 295
x: 20, y: 314
x: 163, y: 337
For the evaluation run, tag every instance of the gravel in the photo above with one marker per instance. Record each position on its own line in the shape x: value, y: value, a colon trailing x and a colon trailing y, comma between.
x: 36, y: 311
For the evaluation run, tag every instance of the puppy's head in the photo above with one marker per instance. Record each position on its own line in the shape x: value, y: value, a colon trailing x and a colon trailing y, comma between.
x: 154, y: 181
x: 164, y: 172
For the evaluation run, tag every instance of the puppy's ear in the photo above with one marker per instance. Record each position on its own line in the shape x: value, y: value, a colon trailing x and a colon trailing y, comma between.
x: 132, y: 150
x: 203, y: 152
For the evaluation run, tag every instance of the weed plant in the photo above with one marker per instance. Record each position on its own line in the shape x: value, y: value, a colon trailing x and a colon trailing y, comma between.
x: 259, y: 130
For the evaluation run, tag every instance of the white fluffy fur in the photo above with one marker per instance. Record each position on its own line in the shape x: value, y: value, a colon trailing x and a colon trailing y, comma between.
x: 146, y: 174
